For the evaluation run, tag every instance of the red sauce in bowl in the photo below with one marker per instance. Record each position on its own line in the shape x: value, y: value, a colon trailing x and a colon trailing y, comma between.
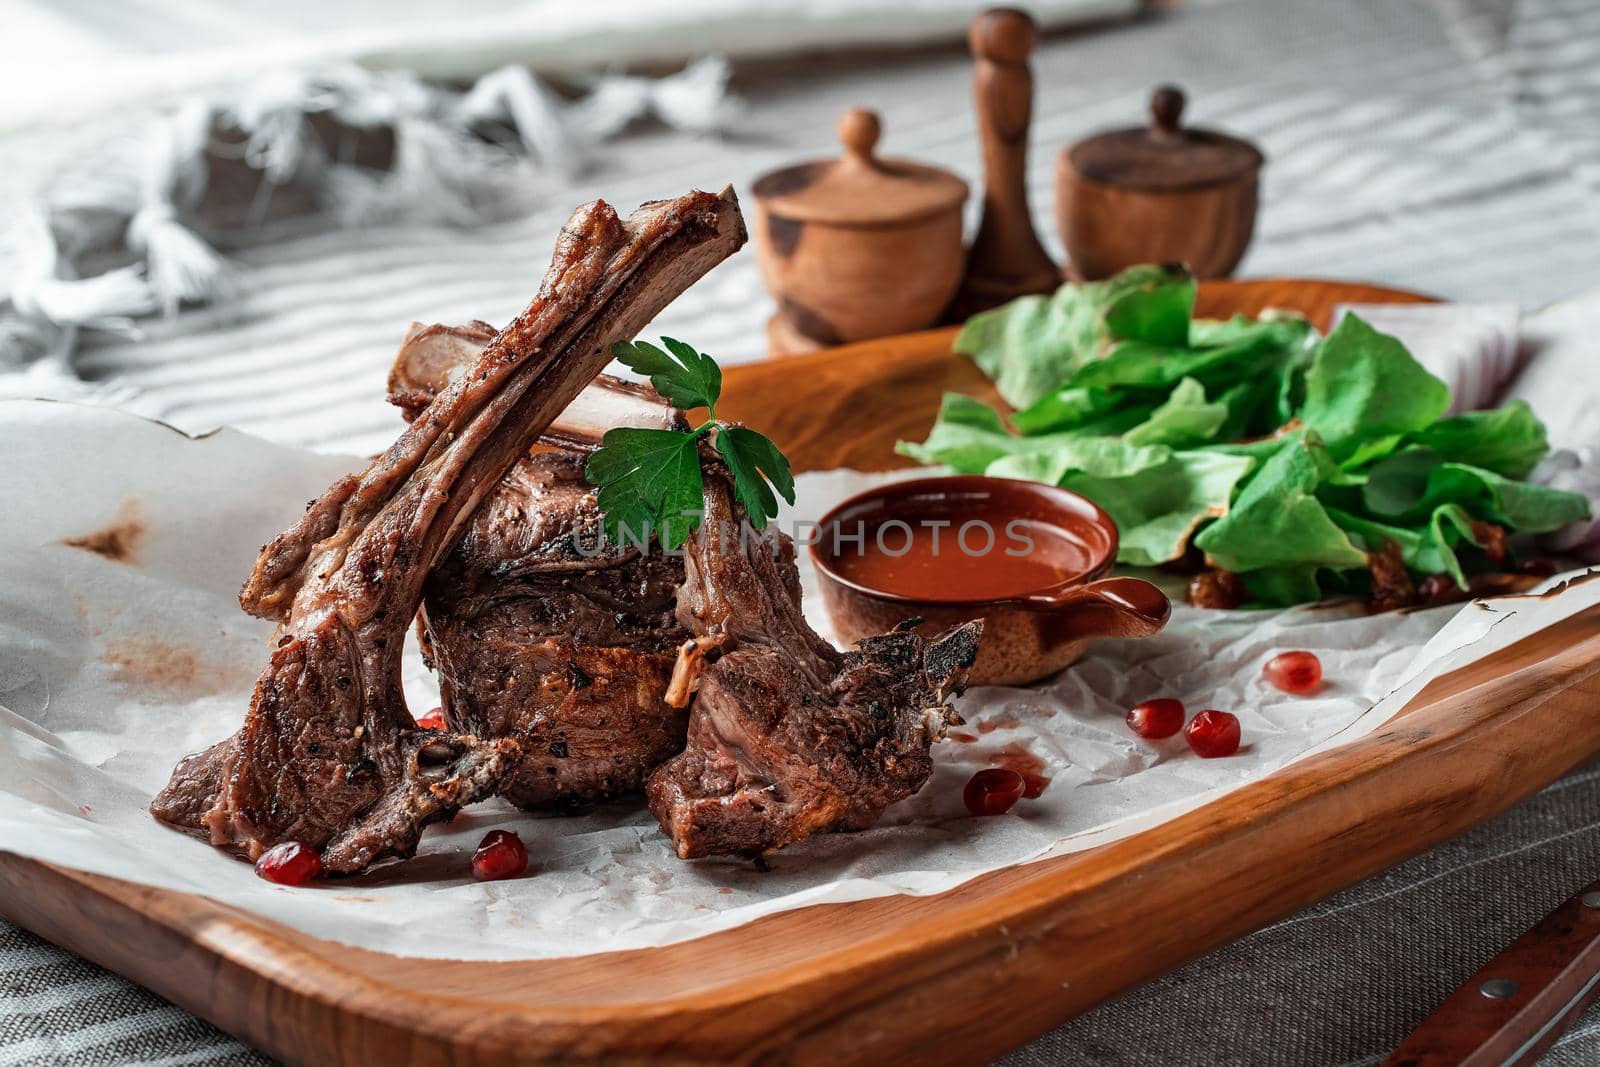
x: 1032, y: 561
x: 1012, y: 557
x: 957, y: 546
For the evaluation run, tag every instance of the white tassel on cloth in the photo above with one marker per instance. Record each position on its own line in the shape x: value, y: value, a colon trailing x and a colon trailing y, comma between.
x: 459, y: 158
x: 696, y: 100
x: 47, y: 304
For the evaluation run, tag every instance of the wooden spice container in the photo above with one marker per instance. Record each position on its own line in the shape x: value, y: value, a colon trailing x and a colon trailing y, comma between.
x: 857, y: 247
x: 1157, y: 194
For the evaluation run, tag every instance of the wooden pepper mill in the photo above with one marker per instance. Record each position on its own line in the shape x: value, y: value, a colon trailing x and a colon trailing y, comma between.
x: 1006, y: 259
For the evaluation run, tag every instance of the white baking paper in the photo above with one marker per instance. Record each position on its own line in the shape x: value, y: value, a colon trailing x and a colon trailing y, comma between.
x: 122, y: 647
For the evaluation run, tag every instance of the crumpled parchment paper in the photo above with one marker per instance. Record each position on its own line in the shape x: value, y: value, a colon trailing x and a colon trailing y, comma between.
x: 122, y: 647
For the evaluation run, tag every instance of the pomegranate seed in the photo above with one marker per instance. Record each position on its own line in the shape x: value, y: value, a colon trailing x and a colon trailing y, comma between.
x: 1539, y: 568
x: 501, y: 854
x: 994, y: 791
x: 1213, y: 734
x: 434, y: 720
x: 291, y: 863
x: 1294, y: 672
x: 1155, y: 719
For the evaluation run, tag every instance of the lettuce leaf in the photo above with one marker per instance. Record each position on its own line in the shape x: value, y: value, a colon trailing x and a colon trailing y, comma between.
x: 1509, y: 441
x: 970, y: 438
x: 1186, y: 418
x: 1283, y: 586
x: 1363, y: 384
x: 1426, y: 549
x: 1065, y: 409
x: 1278, y: 520
x: 1033, y: 345
x: 1414, y: 482
x: 1159, y: 508
x: 1284, y: 455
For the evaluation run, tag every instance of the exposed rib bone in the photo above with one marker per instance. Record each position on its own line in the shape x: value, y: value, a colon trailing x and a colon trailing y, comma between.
x: 431, y: 357
x: 686, y: 671
x: 328, y: 754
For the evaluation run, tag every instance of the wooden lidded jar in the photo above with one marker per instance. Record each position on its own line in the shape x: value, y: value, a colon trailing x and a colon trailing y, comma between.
x: 1158, y: 194
x: 857, y: 247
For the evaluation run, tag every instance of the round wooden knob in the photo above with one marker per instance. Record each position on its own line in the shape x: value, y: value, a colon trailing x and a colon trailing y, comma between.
x: 1003, y: 35
x: 1166, y: 110
x: 859, y: 129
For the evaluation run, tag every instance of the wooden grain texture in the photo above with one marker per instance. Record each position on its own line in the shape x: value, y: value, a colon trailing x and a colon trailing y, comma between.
x: 858, y: 247
x: 1006, y: 259
x: 960, y: 977
x: 1520, y: 1002
x: 1162, y: 194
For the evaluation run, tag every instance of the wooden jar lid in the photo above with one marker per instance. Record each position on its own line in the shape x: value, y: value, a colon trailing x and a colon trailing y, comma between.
x: 860, y: 188
x: 1163, y: 157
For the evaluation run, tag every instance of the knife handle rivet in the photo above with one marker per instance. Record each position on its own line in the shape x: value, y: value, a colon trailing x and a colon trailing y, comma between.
x: 1498, y: 989
x: 1591, y: 900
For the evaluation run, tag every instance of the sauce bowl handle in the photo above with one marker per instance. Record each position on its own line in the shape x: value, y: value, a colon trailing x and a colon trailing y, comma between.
x: 1111, y: 607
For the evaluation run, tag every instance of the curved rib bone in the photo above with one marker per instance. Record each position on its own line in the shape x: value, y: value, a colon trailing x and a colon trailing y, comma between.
x: 431, y: 357
x: 328, y: 754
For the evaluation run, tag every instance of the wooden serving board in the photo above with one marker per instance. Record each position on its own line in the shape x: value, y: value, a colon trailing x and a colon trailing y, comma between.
x: 961, y: 977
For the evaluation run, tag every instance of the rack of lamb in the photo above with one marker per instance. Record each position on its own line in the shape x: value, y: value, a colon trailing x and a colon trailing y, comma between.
x: 540, y: 629
x: 789, y: 737
x: 571, y: 669
x: 328, y: 754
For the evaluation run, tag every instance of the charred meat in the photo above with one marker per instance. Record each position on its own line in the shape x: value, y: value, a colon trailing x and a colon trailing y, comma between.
x: 539, y: 629
x: 544, y: 633
x: 328, y: 754
x: 789, y: 737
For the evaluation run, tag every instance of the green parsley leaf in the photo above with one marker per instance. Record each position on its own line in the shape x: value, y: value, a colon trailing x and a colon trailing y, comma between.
x: 687, y: 378
x: 649, y: 484
x: 650, y: 481
x: 755, y: 461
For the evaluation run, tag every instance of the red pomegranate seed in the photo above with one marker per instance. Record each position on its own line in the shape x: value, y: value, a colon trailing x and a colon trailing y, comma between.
x: 434, y: 720
x: 1213, y: 734
x: 1294, y: 672
x: 501, y: 854
x: 1539, y: 568
x: 994, y: 791
x: 1155, y: 719
x: 291, y: 863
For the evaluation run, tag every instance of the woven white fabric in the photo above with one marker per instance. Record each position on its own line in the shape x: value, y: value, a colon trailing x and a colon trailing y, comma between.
x: 1451, y: 147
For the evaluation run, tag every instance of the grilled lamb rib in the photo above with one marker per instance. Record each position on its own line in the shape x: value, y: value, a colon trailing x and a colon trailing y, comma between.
x: 539, y: 637
x: 328, y: 754
x: 789, y: 737
x: 540, y: 630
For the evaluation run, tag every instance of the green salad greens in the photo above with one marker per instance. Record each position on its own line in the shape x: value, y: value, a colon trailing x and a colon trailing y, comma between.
x: 1285, y: 457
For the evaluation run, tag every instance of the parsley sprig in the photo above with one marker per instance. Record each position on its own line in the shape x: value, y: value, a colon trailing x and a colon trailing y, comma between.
x: 650, y: 479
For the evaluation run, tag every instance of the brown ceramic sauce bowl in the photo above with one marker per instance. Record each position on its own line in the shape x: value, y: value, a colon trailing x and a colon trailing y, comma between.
x: 1031, y: 560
